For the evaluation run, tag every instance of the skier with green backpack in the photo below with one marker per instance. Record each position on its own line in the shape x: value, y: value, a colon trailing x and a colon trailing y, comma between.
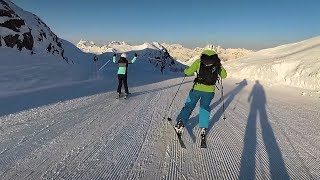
x: 209, y: 70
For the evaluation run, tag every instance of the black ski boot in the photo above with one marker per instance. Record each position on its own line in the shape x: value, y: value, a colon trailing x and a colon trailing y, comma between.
x: 118, y: 95
x: 203, y: 138
x: 179, y: 127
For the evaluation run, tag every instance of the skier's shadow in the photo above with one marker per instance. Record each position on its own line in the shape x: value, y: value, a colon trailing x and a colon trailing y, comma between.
x: 248, y: 159
x: 229, y: 97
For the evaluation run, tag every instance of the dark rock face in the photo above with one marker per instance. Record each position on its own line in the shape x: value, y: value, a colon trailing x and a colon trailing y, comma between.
x: 13, y: 24
x: 27, y: 42
x: 26, y: 32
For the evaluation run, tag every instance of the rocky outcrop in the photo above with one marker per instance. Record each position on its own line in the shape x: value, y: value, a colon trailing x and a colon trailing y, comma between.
x: 24, y: 30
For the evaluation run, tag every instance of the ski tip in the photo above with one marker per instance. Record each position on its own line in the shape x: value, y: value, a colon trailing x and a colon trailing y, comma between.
x: 169, y: 119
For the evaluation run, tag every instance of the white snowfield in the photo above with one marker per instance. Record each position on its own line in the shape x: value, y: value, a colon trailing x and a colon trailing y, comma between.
x: 268, y: 133
x: 296, y: 64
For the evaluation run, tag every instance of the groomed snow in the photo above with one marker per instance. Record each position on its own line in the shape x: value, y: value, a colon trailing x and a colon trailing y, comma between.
x: 275, y: 135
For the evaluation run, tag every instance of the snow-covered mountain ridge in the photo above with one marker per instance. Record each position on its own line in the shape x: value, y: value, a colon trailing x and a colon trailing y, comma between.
x: 115, y: 46
x: 23, y: 30
x: 187, y: 56
x: 177, y: 51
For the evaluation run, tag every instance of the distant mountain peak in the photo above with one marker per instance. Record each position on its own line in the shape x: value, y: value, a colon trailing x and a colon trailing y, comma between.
x: 117, y: 43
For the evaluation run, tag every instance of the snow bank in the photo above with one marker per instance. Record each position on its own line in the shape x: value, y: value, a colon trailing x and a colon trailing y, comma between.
x: 296, y: 65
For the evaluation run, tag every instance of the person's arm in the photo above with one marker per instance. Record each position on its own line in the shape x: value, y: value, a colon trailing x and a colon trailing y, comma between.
x: 223, y: 73
x: 114, y: 58
x: 134, y: 58
x: 193, y: 68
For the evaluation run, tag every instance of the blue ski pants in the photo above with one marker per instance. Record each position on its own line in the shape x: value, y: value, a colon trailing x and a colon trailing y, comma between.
x: 204, y: 111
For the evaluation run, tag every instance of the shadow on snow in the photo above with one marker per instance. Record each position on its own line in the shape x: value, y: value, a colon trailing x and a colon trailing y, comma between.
x: 248, y: 160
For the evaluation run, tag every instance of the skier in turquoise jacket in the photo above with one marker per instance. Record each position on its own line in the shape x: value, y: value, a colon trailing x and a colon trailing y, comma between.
x: 208, y: 69
x: 123, y: 71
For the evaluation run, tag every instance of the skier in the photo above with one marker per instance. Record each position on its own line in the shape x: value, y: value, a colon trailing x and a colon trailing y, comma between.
x: 123, y: 72
x: 208, y: 69
x: 95, y: 59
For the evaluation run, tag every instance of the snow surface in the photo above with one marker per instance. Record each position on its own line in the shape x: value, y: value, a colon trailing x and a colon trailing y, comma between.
x: 95, y: 136
x: 296, y: 64
x: 78, y: 130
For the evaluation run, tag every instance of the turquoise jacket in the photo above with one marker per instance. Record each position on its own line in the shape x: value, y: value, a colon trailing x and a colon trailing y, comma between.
x: 195, y: 68
x: 123, y: 64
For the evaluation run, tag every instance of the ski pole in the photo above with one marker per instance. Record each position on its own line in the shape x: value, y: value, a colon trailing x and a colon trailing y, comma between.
x: 169, y: 119
x: 222, y: 97
x: 104, y: 65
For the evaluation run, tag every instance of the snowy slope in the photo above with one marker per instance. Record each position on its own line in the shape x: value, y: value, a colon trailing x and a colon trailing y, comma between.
x: 23, y: 30
x: 98, y: 137
x: 32, y: 57
x: 296, y: 64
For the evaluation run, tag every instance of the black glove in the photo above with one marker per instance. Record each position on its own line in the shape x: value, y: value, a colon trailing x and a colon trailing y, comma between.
x: 114, y: 54
x: 135, y: 55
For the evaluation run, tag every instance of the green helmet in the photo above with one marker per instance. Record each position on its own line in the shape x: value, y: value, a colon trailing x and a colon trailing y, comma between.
x: 208, y: 52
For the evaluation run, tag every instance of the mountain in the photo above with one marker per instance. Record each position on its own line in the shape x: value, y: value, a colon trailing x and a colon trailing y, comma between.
x: 149, y: 53
x: 23, y: 30
x: 296, y: 64
x: 32, y: 56
x: 177, y: 51
x: 153, y: 53
x: 187, y: 56
x: 91, y: 47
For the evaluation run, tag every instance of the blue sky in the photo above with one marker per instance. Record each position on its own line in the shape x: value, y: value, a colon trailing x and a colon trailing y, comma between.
x: 251, y: 24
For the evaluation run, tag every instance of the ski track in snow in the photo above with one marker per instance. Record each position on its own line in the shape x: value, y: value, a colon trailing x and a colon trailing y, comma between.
x: 100, y: 137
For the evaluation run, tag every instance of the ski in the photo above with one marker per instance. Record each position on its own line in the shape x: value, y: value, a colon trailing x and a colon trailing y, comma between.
x: 179, y: 135
x: 119, y: 96
x: 203, y: 143
x: 180, y: 140
x: 125, y: 96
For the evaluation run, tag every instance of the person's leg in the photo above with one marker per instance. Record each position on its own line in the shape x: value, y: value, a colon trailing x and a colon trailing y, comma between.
x: 125, y: 83
x: 204, y: 112
x: 190, y: 104
x: 120, y: 77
